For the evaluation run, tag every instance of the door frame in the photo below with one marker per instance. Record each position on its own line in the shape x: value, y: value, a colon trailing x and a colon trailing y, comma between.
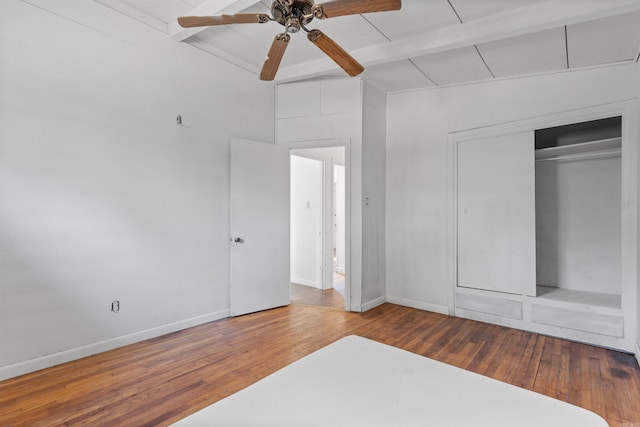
x: 327, y: 143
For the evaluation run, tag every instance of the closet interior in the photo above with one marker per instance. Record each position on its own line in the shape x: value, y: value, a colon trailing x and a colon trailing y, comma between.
x: 578, y: 212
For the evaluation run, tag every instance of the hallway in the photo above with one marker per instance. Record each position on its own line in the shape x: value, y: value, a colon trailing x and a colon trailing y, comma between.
x: 307, y: 295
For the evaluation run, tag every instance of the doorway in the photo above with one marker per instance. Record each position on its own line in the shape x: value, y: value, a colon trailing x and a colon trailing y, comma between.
x: 318, y: 226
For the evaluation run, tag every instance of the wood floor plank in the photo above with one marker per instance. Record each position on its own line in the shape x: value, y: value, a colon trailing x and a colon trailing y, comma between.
x: 308, y: 295
x: 159, y: 381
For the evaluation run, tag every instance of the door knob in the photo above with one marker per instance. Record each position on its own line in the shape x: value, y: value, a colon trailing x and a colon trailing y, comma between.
x: 238, y: 240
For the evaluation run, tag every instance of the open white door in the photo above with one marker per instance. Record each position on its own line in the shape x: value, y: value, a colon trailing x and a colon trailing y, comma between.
x: 259, y: 226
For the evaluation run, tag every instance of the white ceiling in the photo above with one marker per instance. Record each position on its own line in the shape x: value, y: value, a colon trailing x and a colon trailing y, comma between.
x: 427, y: 43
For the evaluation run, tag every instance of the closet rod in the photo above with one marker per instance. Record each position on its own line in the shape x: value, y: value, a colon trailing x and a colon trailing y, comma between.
x: 582, y: 156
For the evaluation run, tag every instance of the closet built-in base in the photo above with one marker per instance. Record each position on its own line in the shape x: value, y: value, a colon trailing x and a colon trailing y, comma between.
x: 590, y: 317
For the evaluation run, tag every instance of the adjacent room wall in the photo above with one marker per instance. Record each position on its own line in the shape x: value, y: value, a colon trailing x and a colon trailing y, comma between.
x: 332, y: 231
x: 340, y: 218
x: 306, y: 221
x: 419, y: 205
x: 103, y: 196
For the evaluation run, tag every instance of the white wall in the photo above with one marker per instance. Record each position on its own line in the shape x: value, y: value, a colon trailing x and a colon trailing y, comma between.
x: 306, y: 221
x: 417, y: 215
x: 578, y: 223
x: 373, y: 190
x: 102, y: 195
x: 418, y: 226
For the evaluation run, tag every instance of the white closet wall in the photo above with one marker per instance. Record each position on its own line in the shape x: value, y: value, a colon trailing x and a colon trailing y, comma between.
x: 578, y: 224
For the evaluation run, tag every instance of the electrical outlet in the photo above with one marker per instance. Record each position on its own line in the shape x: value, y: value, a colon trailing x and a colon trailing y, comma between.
x: 115, y: 306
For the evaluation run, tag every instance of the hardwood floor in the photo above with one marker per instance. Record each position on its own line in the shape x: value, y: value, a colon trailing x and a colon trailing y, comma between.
x: 307, y: 295
x: 159, y: 381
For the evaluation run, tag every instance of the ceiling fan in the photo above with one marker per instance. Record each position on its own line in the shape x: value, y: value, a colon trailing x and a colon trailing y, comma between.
x: 295, y: 15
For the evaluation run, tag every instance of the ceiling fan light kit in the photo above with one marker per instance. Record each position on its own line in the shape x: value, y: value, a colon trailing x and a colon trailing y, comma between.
x: 295, y: 15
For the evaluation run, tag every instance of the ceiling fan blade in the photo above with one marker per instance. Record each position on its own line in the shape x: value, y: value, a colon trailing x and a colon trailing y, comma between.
x: 354, y: 7
x: 276, y: 52
x: 335, y: 52
x: 240, y: 18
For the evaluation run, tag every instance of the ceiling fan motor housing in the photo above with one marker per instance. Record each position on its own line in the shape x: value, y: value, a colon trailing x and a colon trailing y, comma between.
x: 292, y: 14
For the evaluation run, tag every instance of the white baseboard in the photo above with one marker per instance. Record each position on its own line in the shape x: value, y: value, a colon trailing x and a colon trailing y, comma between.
x: 373, y: 304
x: 441, y: 309
x: 638, y: 353
x: 49, y: 360
x: 306, y: 282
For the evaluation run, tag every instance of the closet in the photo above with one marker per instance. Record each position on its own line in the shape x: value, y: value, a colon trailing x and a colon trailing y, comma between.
x: 539, y: 229
x: 578, y: 211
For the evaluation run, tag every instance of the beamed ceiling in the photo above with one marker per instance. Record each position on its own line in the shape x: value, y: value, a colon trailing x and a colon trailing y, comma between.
x: 426, y: 44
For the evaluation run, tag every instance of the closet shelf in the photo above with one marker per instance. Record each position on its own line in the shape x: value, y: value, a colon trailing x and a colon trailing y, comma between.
x: 594, y: 149
x: 583, y: 298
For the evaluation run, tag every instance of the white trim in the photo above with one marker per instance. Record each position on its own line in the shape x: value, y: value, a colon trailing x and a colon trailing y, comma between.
x: 311, y: 283
x: 49, y: 360
x: 135, y: 14
x: 558, y: 118
x: 441, y: 309
x: 492, y: 80
x: 452, y: 225
x: 221, y: 54
x: 354, y: 308
x: 373, y: 304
